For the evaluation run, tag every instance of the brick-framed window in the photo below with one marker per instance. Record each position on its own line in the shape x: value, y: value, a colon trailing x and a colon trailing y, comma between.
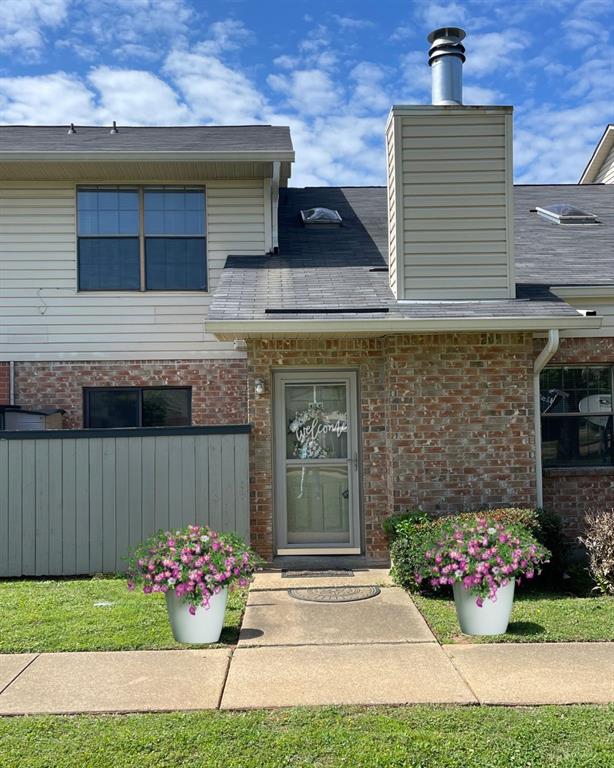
x: 577, y: 411
x: 117, y: 407
x: 141, y: 238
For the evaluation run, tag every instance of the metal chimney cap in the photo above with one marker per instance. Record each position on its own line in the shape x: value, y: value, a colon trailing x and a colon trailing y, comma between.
x: 457, y: 32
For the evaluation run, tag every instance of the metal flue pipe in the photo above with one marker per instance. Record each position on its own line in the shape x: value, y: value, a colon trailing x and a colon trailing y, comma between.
x: 446, y: 57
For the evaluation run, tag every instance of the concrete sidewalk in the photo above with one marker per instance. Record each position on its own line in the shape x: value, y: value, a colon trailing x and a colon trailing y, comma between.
x: 292, y: 653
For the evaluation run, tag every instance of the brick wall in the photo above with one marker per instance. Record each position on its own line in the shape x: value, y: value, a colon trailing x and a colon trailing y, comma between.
x: 446, y: 423
x: 218, y: 386
x: 460, y: 423
x: 572, y: 491
x: 4, y: 384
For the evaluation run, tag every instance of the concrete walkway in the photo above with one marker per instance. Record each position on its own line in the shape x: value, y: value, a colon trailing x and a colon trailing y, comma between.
x: 291, y: 652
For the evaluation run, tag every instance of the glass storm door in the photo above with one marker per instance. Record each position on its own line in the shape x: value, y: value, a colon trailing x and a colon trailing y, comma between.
x: 316, y: 463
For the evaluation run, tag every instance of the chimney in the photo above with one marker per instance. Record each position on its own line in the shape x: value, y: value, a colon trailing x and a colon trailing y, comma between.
x: 446, y: 58
x: 450, y: 190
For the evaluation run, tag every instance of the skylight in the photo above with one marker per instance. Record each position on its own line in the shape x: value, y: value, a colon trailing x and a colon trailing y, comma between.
x: 564, y: 213
x: 321, y: 216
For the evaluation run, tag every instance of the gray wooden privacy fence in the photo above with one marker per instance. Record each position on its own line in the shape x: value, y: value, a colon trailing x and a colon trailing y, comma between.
x: 74, y: 502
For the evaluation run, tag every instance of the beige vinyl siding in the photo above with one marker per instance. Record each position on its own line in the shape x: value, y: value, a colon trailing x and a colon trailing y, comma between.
x: 453, y: 176
x: 43, y: 316
x: 606, y: 172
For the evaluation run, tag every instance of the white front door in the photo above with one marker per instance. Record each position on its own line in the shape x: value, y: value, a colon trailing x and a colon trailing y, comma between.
x: 317, y: 495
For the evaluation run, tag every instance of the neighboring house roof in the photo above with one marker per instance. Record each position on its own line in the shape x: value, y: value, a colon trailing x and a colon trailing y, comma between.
x: 602, y: 152
x: 335, y: 274
x: 26, y: 139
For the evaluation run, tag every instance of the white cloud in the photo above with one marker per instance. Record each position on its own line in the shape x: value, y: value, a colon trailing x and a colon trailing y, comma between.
x: 582, y: 33
x: 286, y: 62
x: 370, y: 89
x: 23, y: 24
x: 214, y: 91
x: 128, y: 28
x: 492, y: 51
x: 55, y: 99
x: 308, y: 91
x: 226, y: 35
x: 435, y: 14
x: 348, y: 23
x: 135, y: 97
x: 476, y: 94
x: 416, y: 75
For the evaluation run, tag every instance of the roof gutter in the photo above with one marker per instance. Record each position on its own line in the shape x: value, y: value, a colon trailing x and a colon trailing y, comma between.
x: 541, y: 361
x: 306, y: 326
x: 76, y: 156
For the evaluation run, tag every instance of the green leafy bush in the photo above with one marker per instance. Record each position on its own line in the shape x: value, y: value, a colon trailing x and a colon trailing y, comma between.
x: 599, y: 543
x: 549, y: 533
x: 392, y: 522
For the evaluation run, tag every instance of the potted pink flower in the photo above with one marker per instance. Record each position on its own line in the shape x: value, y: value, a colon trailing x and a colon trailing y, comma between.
x: 194, y: 568
x: 482, y: 562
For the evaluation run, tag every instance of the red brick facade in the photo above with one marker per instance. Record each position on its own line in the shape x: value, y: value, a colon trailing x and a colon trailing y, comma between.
x: 4, y: 383
x: 571, y: 492
x: 218, y: 386
x: 446, y: 423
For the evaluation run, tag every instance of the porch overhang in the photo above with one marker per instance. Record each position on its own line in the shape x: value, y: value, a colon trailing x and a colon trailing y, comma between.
x: 227, y: 330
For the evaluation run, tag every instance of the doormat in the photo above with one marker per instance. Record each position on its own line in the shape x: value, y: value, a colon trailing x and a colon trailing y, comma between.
x: 316, y: 574
x: 334, y: 594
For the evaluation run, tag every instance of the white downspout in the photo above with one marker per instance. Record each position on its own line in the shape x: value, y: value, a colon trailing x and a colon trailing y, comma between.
x: 542, y: 360
x: 275, y: 204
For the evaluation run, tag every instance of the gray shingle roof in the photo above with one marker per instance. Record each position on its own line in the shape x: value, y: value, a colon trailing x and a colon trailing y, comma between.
x: 226, y: 138
x: 564, y: 254
x: 328, y: 273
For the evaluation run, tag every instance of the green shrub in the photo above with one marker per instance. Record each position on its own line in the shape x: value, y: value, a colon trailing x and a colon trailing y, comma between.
x: 407, y: 555
x: 392, y: 522
x: 413, y: 530
x: 550, y: 533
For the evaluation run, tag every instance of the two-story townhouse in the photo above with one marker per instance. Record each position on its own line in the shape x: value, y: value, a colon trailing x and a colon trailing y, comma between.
x: 445, y: 342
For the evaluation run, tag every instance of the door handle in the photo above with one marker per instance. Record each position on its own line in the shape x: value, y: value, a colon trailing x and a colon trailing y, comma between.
x: 356, y: 460
x: 346, y: 494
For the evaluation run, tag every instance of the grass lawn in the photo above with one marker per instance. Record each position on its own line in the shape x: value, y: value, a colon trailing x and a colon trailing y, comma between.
x: 93, y: 614
x: 407, y: 737
x: 536, y: 617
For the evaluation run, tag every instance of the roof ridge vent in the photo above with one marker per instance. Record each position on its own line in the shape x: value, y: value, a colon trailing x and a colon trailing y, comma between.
x: 320, y: 216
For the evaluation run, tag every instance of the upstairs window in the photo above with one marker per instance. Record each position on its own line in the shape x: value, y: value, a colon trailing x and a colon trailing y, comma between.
x: 117, y: 407
x: 108, y: 229
x: 141, y: 238
x: 576, y: 414
x: 174, y: 239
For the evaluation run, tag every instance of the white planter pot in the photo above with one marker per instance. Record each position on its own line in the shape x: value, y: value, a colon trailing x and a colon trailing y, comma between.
x: 491, y: 619
x: 206, y: 624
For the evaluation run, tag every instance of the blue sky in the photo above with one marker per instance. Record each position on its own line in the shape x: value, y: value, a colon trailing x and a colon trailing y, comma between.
x: 328, y: 69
